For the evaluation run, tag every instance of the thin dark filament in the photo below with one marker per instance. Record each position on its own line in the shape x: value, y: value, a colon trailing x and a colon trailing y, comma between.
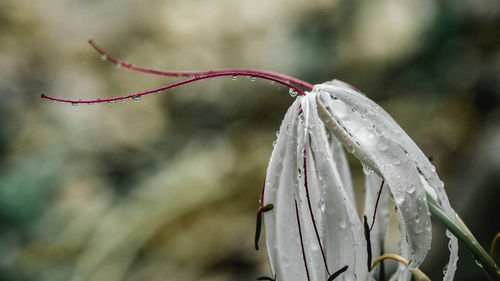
x: 376, y: 204
x: 301, y: 241
x: 136, y: 95
x: 368, y: 244
x: 312, y: 215
x: 261, y: 200
x: 338, y: 272
x: 116, y: 61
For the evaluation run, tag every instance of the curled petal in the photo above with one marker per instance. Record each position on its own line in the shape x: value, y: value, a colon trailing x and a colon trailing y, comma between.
x: 384, y: 124
x: 383, y: 152
x: 314, y: 225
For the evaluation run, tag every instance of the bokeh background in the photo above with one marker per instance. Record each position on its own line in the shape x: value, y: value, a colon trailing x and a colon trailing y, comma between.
x: 167, y: 188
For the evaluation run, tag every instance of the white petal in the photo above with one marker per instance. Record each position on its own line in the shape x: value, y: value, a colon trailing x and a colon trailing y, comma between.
x: 282, y: 236
x: 340, y: 160
x: 384, y: 154
x: 342, y: 232
x: 383, y: 123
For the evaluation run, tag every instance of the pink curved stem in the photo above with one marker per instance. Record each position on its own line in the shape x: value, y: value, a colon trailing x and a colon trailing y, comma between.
x: 116, y: 61
x: 196, y: 78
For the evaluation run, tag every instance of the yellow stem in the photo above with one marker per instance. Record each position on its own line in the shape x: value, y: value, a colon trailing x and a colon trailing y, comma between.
x: 493, y: 245
x: 417, y: 273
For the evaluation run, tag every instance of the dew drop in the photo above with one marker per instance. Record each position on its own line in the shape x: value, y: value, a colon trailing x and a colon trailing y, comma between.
x: 366, y: 170
x: 321, y: 205
x: 350, y: 148
x: 292, y: 92
x: 104, y: 58
x: 274, y: 143
x: 377, y: 130
x: 234, y: 77
x: 74, y: 103
x: 124, y: 99
x: 272, y: 82
x: 479, y: 264
x: 136, y: 98
x: 252, y: 78
x: 343, y: 223
x: 112, y: 102
x: 286, y: 261
x: 277, y: 133
x: 411, y: 188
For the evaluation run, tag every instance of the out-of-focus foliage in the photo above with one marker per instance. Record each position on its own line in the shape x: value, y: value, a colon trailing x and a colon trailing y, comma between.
x: 167, y: 188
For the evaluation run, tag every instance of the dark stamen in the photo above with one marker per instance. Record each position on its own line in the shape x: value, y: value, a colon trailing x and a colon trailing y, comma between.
x: 301, y: 241
x: 312, y: 215
x: 337, y: 273
x: 257, y: 230
x: 258, y: 227
x: 368, y: 244
x: 376, y: 204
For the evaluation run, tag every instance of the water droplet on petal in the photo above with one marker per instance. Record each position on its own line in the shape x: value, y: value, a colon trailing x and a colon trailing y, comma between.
x: 277, y: 133
x: 366, y: 170
x: 343, y: 223
x: 350, y: 148
x: 292, y: 92
x: 274, y: 143
x: 378, y: 131
x: 321, y: 205
x: 411, y: 188
x: 286, y: 261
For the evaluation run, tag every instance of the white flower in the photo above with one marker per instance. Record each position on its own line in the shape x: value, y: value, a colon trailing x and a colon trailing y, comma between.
x: 313, y: 229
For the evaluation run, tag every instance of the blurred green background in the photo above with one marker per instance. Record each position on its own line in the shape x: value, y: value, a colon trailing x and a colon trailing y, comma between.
x: 167, y: 188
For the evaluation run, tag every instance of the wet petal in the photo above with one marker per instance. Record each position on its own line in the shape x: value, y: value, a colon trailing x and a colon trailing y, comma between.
x: 383, y: 153
x: 282, y: 235
x: 342, y: 229
x: 384, y: 124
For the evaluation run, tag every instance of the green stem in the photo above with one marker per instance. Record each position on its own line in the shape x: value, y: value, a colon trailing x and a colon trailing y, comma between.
x: 465, y: 236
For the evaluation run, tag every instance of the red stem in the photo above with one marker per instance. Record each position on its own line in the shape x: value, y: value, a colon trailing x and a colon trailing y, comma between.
x: 114, y: 60
x: 196, y: 78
